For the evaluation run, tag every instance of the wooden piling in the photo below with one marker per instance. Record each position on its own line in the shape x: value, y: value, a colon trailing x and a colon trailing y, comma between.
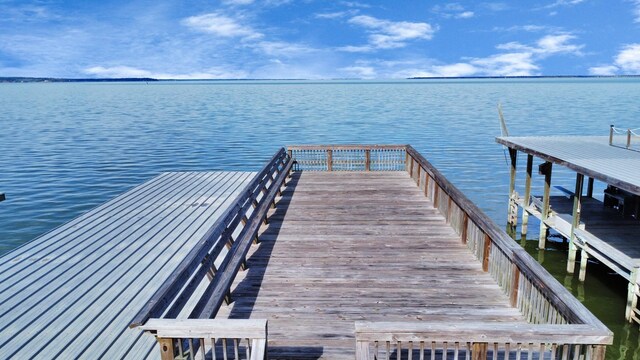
x: 544, y: 229
x: 575, y: 222
x: 527, y: 196
x: 512, y: 218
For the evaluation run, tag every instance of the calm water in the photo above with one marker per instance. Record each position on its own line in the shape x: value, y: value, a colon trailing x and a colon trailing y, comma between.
x: 66, y: 148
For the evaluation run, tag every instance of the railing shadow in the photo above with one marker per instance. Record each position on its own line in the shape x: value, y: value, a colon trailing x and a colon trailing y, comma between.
x: 246, y: 292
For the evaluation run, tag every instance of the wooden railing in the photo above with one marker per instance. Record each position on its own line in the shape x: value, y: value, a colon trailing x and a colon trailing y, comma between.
x: 348, y: 157
x: 210, y: 339
x: 559, y: 326
x: 465, y: 340
x: 235, y: 230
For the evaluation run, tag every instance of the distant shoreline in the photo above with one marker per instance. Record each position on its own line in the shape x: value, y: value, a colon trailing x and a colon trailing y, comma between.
x: 67, y: 80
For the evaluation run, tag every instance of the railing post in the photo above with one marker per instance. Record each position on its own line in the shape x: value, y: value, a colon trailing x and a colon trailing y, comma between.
x: 479, y: 351
x: 599, y: 352
x: 487, y: 250
x: 329, y: 160
x: 362, y: 350
x: 513, y: 297
x: 367, y: 159
x: 628, y: 138
x: 611, y: 135
x: 166, y: 348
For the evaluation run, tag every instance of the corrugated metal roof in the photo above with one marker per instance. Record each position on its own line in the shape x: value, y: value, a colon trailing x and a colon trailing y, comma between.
x: 589, y: 155
x: 72, y: 292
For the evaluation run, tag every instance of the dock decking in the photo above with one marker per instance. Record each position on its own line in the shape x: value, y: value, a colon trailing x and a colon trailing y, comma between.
x: 72, y: 292
x: 358, y: 246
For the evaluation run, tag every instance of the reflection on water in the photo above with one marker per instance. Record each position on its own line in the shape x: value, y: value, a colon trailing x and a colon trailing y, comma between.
x: 603, y: 292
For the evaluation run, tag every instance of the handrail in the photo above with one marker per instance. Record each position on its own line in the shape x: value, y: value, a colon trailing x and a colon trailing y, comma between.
x: 179, y: 286
x: 375, y: 339
x: 347, y: 157
x: 196, y: 338
x: 574, y: 311
x: 347, y: 147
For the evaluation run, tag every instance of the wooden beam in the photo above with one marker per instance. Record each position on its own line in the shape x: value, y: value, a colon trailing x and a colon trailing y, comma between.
x: 479, y: 351
x: 367, y: 160
x: 575, y: 222
x: 545, y: 205
x: 512, y: 216
x: 329, y: 160
x: 590, y: 187
x: 527, y: 195
x: 166, y: 348
x: 631, y: 294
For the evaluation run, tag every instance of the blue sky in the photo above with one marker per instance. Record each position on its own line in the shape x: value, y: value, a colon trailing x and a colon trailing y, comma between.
x: 316, y: 39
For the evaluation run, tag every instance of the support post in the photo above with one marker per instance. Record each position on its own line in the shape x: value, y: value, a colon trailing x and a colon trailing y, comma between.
x: 527, y: 196
x: 512, y: 218
x: 631, y: 294
x: 544, y: 230
x: 362, y: 350
x: 611, y: 135
x: 479, y: 351
x: 583, y: 263
x: 166, y: 348
x: 329, y: 160
x: 575, y: 222
x: 628, y: 138
x: 590, y: 188
x: 367, y: 160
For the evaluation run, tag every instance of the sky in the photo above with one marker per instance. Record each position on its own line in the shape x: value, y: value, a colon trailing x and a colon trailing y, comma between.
x: 314, y: 39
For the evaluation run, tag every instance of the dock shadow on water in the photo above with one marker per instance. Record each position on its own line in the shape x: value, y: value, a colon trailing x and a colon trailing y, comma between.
x: 246, y: 292
x: 603, y: 293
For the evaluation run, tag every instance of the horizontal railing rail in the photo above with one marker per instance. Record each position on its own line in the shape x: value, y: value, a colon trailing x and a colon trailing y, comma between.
x: 478, y: 341
x: 348, y: 157
x: 235, y: 230
x: 210, y: 339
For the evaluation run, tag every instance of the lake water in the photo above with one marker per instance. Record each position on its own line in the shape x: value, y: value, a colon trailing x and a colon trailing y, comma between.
x: 67, y: 147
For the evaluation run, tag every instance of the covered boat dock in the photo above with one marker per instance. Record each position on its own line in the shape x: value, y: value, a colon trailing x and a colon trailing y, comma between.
x: 607, y: 230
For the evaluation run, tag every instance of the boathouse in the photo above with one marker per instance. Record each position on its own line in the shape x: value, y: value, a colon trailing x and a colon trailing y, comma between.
x: 328, y: 252
x: 607, y: 230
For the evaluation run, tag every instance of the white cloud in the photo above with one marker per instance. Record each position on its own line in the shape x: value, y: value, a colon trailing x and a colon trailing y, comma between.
x: 604, y: 70
x: 220, y: 25
x: 282, y: 48
x: 558, y: 3
x: 355, y: 4
x: 452, y: 10
x: 517, y: 60
x: 365, y: 72
x: 636, y: 10
x: 385, y: 34
x: 509, y: 64
x: 547, y: 45
x: 336, y: 15
x: 237, y: 2
x: 131, y: 72
x: 628, y: 60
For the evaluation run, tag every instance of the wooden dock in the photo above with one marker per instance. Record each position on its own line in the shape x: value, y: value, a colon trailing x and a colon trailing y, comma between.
x: 348, y: 246
x: 328, y: 252
x: 363, y: 252
x: 606, y: 233
x: 72, y: 292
